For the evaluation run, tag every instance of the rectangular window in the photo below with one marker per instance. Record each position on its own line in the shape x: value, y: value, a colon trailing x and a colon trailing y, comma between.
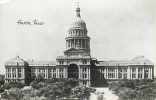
x: 146, y: 73
x: 125, y: 76
x: 84, y: 61
x: 109, y: 75
x: 140, y: 75
x: 49, y: 73
x: 14, y: 70
x: 133, y: 75
x: 54, y: 70
x: 61, y: 75
x: 119, y: 75
x: 19, y: 72
x: 133, y: 69
x: 9, y: 70
x: 84, y: 76
x: 84, y: 69
x: 61, y: 62
x: 14, y: 75
x: 61, y: 70
x: 139, y: 70
x: 54, y: 75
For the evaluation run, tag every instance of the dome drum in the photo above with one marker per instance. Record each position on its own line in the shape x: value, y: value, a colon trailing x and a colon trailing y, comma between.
x: 77, y: 33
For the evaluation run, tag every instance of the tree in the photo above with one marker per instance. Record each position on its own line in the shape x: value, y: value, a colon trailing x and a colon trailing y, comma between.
x: 40, y: 77
x: 82, y: 91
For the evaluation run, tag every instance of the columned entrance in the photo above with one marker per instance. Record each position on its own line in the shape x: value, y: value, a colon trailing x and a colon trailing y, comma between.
x: 73, y: 71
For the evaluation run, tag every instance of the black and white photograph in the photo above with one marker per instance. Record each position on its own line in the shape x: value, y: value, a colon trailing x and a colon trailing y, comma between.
x: 77, y: 49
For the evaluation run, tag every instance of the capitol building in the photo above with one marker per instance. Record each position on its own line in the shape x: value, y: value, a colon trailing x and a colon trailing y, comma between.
x: 77, y: 63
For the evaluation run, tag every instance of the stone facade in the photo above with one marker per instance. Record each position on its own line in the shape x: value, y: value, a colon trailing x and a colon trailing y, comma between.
x: 77, y: 63
x: 17, y: 70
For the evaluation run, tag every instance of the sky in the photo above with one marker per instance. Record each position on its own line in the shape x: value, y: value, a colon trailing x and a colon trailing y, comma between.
x: 119, y: 29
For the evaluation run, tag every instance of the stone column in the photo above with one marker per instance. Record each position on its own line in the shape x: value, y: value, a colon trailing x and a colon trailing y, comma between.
x: 74, y: 44
x: 89, y: 73
x: 81, y: 43
x: 106, y: 73
x: 57, y: 73
x: 6, y: 73
x: 89, y: 43
x: 11, y: 73
x: 46, y: 73
x: 151, y: 72
x: 23, y: 73
x: 16, y: 73
x: 143, y: 73
x: 131, y: 73
x: 136, y: 72
x: 117, y: 72
x: 66, y: 44
x: 64, y: 72
x: 85, y: 44
x: 128, y: 72
x: 79, y: 72
x: 71, y: 43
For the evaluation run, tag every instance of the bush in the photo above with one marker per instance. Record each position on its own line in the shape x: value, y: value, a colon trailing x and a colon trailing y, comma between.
x: 133, y: 89
x: 13, y: 85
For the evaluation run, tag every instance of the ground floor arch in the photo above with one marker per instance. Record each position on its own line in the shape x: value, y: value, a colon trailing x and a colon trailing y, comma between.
x: 73, y: 71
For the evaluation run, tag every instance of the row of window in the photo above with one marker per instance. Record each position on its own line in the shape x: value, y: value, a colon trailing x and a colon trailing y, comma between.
x: 83, y: 43
x: 49, y: 70
x: 83, y: 62
x: 77, y: 33
x: 140, y: 70
x: 114, y: 70
x: 123, y: 75
x: 13, y: 75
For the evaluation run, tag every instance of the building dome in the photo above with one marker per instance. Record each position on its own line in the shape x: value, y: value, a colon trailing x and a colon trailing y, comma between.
x: 17, y: 61
x: 78, y: 22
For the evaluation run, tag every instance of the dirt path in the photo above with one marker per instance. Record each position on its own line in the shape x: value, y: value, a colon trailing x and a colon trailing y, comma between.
x: 103, y: 94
